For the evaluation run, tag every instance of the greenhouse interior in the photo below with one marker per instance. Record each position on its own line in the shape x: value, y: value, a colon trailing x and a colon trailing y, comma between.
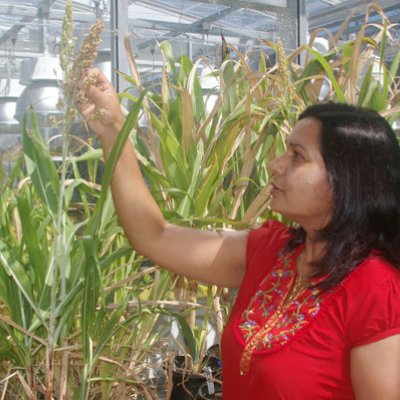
x: 210, y: 91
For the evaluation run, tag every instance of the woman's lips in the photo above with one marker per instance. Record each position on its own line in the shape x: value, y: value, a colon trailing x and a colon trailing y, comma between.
x: 275, y: 189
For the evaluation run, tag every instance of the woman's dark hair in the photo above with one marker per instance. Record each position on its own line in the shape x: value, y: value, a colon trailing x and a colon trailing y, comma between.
x: 362, y: 159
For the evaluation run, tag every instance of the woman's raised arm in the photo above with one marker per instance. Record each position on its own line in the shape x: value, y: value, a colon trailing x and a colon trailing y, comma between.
x: 211, y: 257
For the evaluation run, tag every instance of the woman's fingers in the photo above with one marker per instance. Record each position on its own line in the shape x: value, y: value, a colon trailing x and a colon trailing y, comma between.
x: 101, y: 108
x: 92, y: 74
x: 93, y: 84
x: 86, y: 109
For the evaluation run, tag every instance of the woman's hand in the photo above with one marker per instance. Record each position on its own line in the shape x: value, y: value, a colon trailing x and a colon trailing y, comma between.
x: 102, y: 110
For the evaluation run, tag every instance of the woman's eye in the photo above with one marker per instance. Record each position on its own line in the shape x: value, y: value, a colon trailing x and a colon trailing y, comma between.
x: 297, y: 156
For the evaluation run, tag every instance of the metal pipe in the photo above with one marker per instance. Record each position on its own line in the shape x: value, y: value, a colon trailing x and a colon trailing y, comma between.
x: 119, y: 29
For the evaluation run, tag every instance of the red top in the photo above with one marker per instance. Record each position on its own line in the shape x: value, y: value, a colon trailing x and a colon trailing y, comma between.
x: 302, y: 349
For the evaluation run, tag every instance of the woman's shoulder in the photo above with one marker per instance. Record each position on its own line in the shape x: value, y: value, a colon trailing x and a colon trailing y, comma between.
x: 271, y: 232
x: 374, y: 271
x: 374, y: 284
x: 371, y: 301
x: 263, y: 247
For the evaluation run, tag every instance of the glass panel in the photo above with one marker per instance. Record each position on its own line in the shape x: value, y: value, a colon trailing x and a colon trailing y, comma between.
x: 330, y: 14
x: 196, y: 28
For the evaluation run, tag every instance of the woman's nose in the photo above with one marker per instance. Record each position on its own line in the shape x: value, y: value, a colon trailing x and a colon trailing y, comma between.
x: 277, y: 166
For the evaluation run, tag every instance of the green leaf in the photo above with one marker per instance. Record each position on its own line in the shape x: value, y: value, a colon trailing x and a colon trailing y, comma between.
x: 21, y: 280
x: 366, y: 89
x: 328, y: 70
x: 189, y: 337
x: 37, y: 253
x: 93, y: 154
x: 168, y: 54
x: 121, y: 252
x: 39, y: 165
x: 109, y: 329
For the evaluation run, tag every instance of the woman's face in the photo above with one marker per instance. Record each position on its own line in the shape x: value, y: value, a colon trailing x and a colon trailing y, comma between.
x: 300, y: 188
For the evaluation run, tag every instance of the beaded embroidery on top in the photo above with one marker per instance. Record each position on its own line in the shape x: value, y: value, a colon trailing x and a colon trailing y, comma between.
x: 266, y: 324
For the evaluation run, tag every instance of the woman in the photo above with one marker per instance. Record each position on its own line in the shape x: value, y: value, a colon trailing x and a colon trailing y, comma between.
x: 318, y: 311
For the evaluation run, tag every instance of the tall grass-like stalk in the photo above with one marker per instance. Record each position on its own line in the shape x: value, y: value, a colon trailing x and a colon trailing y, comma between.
x: 74, y: 68
x: 57, y: 265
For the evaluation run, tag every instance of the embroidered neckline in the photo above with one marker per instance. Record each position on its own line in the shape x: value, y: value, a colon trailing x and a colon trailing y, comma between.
x: 270, y: 321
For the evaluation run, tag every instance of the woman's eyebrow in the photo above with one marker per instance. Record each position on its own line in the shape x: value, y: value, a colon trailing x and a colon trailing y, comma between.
x: 294, y: 144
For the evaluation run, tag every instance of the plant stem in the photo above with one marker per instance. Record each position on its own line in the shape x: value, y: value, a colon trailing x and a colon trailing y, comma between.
x: 58, y: 266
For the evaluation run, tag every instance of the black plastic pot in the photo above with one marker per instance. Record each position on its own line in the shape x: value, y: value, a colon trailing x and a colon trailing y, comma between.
x: 213, y: 360
x: 185, y: 383
x: 186, y: 387
x: 214, y: 351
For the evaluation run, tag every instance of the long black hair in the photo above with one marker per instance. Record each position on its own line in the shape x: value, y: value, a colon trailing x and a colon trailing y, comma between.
x: 362, y: 159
